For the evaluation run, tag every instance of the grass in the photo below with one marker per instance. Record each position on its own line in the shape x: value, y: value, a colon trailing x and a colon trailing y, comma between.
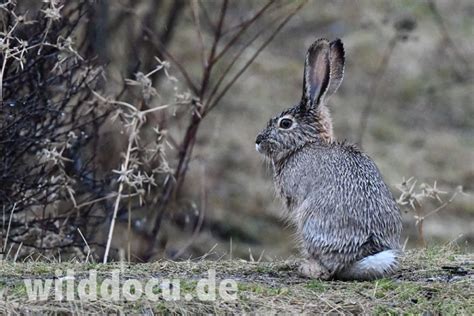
x: 436, y: 280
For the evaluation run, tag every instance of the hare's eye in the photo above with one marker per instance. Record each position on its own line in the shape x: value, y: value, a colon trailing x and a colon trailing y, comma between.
x: 285, y: 123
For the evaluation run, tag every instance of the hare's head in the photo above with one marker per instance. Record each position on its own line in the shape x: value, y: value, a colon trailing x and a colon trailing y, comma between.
x: 309, y: 120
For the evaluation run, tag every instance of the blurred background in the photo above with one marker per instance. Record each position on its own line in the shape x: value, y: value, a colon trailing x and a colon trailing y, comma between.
x: 406, y: 99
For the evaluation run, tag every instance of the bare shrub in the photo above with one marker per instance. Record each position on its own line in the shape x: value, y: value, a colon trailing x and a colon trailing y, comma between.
x: 47, y: 115
x: 412, y: 198
x: 83, y: 163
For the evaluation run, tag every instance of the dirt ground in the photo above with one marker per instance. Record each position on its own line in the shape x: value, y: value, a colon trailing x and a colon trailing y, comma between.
x: 430, y: 282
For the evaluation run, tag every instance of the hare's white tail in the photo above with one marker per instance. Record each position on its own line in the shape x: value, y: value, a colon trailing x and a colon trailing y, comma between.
x: 372, y: 267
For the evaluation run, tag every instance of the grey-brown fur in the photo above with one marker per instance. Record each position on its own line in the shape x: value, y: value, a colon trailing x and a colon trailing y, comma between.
x: 346, y: 218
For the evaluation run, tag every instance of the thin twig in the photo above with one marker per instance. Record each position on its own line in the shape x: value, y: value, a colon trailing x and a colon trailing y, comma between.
x: 447, y: 37
x: 226, y: 71
x: 243, y: 28
x: 254, y: 56
x: 113, y: 195
x: 200, y: 221
x: 373, y: 89
x: 5, y: 59
x: 129, y: 228
x: 17, y: 252
x: 197, y: 24
x: 211, y: 61
x: 87, y: 245
x: 439, y: 208
x: 159, y: 47
x: 119, y: 192
x: 8, y: 227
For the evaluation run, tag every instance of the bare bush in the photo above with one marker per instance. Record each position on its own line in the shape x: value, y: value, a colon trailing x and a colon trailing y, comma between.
x: 412, y: 197
x: 80, y: 158
x: 47, y: 115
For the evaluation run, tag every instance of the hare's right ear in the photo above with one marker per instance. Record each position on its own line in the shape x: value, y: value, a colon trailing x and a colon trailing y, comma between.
x: 336, y: 61
x: 323, y: 72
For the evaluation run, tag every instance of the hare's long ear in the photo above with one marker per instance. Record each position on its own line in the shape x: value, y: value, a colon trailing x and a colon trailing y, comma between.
x: 336, y: 61
x: 316, y: 74
x: 324, y: 70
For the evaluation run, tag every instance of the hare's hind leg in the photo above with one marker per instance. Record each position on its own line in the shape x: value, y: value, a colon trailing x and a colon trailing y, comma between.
x: 379, y: 265
x: 313, y: 269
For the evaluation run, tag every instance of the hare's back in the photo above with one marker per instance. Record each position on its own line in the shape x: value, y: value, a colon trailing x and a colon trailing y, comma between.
x: 349, y: 204
x: 342, y: 182
x: 346, y: 174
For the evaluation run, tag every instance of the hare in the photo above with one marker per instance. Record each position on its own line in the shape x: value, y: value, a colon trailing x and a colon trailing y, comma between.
x: 346, y: 219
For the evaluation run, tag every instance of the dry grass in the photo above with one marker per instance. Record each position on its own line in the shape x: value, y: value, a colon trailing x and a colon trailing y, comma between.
x: 437, y: 280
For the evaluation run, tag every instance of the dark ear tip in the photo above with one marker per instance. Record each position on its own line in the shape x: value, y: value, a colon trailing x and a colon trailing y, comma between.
x: 320, y: 43
x: 337, y: 44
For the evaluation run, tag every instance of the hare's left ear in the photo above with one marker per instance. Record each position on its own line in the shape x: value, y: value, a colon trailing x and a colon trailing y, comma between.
x: 323, y: 72
x: 336, y: 62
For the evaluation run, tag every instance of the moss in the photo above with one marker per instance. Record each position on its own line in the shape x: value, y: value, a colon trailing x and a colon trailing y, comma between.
x: 19, y: 289
x: 385, y: 310
x: 261, y: 289
x: 264, y: 269
x: 316, y: 285
x: 383, y: 288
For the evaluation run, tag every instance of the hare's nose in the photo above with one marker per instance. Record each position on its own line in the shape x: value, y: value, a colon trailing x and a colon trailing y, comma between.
x: 259, y: 139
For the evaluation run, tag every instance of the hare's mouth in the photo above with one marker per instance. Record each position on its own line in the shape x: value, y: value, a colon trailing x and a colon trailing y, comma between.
x: 263, y: 148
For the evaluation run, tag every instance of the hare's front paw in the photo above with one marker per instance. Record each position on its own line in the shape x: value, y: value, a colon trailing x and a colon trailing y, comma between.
x: 312, y: 269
